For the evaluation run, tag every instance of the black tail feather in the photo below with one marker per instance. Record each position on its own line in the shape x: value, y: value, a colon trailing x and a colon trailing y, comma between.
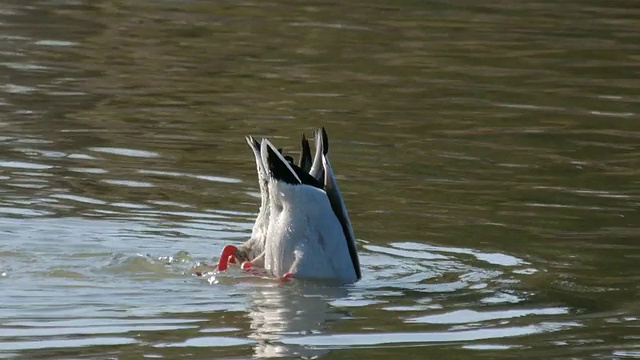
x: 305, y: 155
x: 325, y: 141
x: 279, y: 169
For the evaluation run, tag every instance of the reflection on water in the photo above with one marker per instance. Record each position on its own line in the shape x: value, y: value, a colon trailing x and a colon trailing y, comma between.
x: 487, y: 153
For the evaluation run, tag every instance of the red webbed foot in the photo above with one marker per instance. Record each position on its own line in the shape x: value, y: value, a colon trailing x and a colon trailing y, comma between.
x: 227, y: 256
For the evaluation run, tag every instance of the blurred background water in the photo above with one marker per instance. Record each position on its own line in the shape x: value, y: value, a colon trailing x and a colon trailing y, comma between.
x: 488, y: 153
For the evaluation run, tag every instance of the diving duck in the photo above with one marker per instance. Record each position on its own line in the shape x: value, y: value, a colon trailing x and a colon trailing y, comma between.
x: 302, y: 229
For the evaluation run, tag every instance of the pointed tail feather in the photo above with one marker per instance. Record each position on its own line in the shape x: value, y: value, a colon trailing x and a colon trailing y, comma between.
x: 276, y: 165
x: 322, y: 148
x: 305, y: 155
x: 255, y: 147
x: 338, y: 207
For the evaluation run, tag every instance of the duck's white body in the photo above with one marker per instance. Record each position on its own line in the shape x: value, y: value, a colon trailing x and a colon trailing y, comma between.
x: 304, y: 236
x: 302, y: 228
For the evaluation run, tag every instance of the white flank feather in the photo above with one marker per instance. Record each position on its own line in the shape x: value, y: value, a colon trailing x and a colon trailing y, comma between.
x: 255, y: 246
x: 302, y: 223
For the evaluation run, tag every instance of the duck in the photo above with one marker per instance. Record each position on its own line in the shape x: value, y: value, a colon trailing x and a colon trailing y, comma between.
x: 302, y: 229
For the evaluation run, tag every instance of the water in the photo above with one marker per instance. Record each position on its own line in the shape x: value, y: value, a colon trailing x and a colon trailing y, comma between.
x: 488, y: 154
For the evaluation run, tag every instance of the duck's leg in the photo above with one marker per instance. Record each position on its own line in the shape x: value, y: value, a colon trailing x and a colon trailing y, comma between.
x: 294, y: 267
x: 257, y: 261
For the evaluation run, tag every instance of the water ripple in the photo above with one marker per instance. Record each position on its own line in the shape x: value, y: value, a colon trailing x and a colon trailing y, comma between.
x: 471, y: 316
x: 66, y: 343
x: 357, y: 339
x: 125, y: 152
x: 128, y: 183
x: 24, y: 165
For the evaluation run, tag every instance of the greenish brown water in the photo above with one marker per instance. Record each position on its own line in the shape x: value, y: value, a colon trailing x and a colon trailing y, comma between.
x: 488, y: 154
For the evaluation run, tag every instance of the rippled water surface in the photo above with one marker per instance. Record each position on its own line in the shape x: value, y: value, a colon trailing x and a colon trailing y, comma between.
x: 488, y: 153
